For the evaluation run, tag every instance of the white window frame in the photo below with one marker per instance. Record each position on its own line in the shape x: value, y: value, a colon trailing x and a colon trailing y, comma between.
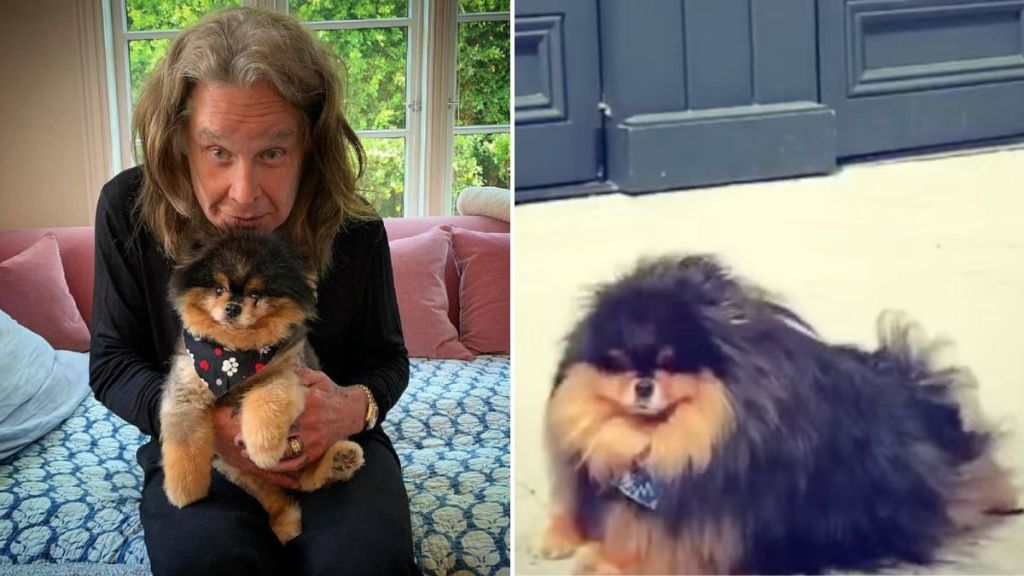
x: 453, y: 102
x: 430, y: 84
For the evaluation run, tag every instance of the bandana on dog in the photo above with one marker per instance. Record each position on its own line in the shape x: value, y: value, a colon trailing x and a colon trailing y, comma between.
x: 223, y: 368
x: 640, y: 486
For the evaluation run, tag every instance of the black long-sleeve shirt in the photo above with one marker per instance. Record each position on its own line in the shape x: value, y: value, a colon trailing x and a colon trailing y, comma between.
x: 357, y: 336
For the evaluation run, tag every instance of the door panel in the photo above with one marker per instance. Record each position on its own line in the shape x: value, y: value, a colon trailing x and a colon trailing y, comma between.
x: 913, y: 73
x: 719, y: 61
x: 704, y: 92
x: 558, y: 122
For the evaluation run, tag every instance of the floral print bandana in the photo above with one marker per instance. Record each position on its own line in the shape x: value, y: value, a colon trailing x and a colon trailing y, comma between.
x: 223, y: 368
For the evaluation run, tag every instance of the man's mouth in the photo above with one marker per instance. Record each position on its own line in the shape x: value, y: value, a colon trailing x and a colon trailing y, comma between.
x: 244, y: 220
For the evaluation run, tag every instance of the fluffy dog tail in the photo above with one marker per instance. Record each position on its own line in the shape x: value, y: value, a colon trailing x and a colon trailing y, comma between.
x: 980, y: 490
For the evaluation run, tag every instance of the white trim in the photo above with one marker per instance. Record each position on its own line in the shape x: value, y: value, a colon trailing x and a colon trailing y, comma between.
x: 150, y: 34
x: 383, y: 133
x: 122, y: 75
x: 356, y: 24
x: 114, y: 125
x: 483, y: 17
x: 440, y: 94
x: 413, y: 197
x: 489, y: 129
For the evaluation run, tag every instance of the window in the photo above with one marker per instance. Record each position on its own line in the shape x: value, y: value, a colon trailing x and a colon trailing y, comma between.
x: 389, y: 51
x: 481, y: 142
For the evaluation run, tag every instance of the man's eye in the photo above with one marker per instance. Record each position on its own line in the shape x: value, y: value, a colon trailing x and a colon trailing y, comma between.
x: 218, y: 291
x: 273, y: 155
x: 220, y: 154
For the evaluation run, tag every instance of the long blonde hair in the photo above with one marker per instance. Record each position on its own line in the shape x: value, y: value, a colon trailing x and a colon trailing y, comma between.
x: 242, y: 46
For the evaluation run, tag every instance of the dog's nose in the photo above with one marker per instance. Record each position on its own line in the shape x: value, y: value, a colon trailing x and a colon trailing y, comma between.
x: 644, y: 388
x: 233, y: 309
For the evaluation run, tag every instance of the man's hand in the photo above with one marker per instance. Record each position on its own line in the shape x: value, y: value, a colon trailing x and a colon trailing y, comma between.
x: 228, y: 444
x: 332, y: 413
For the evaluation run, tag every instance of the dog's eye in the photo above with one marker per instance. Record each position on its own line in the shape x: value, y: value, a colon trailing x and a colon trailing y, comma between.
x: 255, y: 296
x: 619, y: 361
x: 666, y: 357
x: 218, y: 291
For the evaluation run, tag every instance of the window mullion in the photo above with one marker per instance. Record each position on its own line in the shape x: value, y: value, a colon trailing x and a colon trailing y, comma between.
x: 413, y: 194
x: 122, y: 81
x: 441, y: 107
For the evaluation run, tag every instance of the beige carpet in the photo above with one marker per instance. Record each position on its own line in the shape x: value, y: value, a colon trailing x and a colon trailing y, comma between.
x: 941, y: 238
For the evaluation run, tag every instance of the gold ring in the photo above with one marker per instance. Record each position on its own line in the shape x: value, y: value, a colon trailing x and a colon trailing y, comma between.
x: 296, y: 445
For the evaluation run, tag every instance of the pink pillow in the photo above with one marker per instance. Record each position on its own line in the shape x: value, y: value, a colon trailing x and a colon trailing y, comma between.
x: 484, y: 289
x: 34, y: 292
x: 418, y: 263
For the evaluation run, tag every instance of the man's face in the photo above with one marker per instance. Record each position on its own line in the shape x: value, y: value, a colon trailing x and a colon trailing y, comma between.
x: 244, y: 155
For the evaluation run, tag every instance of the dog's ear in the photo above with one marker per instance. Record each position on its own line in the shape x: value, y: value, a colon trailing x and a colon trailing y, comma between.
x: 195, y: 248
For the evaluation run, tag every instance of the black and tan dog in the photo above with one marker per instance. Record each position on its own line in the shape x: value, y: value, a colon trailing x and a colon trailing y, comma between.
x: 696, y: 426
x: 244, y: 300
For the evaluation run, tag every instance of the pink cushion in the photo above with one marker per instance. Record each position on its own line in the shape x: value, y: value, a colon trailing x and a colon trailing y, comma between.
x: 483, y: 290
x: 418, y: 263
x: 35, y: 294
x: 405, y: 227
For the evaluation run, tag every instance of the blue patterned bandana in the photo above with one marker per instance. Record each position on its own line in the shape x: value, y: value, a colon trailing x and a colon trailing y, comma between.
x: 223, y: 368
x: 640, y: 486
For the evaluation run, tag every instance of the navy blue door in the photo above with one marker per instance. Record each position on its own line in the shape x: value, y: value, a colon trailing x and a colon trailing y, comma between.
x: 646, y: 95
x: 558, y: 88
x: 910, y: 73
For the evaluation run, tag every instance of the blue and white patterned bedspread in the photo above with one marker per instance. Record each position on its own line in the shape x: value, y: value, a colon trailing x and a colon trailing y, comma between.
x: 73, y: 495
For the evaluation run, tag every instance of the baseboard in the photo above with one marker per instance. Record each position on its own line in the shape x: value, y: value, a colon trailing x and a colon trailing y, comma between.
x: 523, y: 196
x: 653, y: 152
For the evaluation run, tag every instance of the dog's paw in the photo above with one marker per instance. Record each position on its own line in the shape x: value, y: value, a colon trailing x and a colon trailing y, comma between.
x: 287, y: 524
x: 347, y: 460
x: 186, y: 475
x: 560, y: 539
x: 592, y: 560
x: 266, y: 451
x: 184, y: 488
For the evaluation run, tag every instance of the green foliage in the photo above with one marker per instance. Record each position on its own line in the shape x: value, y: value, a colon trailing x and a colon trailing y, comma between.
x: 376, y: 84
x: 375, y: 75
x: 143, y: 56
x: 320, y: 10
x: 484, y: 73
x: 383, y: 181
x: 164, y: 15
x: 484, y: 5
x: 480, y: 160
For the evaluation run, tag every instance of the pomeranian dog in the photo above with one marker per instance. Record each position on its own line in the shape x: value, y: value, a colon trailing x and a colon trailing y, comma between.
x: 697, y: 426
x: 244, y: 299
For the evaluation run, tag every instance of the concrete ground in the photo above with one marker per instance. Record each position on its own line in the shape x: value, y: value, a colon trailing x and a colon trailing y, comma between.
x: 940, y: 238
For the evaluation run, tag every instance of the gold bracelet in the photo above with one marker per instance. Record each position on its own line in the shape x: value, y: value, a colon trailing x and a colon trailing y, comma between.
x: 370, y: 420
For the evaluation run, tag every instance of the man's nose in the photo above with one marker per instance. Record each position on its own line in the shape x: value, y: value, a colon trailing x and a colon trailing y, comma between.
x: 243, y: 183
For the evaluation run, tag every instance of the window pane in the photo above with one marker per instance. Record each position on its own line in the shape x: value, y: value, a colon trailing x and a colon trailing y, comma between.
x: 319, y: 10
x: 484, y: 77
x: 484, y: 5
x: 161, y: 15
x: 142, y: 58
x: 383, y: 181
x: 375, y: 63
x: 480, y: 160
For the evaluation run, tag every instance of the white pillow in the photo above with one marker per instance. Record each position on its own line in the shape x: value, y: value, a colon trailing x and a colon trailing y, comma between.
x: 39, y: 386
x: 485, y: 201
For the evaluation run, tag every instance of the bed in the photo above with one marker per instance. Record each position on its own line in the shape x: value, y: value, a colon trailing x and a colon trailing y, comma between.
x: 69, y: 501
